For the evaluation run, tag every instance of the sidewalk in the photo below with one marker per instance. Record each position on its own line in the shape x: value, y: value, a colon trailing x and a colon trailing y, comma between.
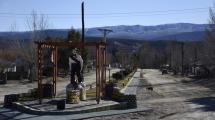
x: 132, y: 86
x: 9, y: 114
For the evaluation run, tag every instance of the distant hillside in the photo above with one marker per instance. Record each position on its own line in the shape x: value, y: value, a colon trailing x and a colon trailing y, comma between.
x: 179, y: 31
x: 154, y: 32
x: 128, y: 45
x: 184, y: 36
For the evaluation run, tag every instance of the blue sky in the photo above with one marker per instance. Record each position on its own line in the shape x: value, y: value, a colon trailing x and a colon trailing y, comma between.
x: 66, y: 13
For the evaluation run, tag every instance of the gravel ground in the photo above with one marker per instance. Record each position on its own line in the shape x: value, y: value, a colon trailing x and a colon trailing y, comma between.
x: 171, y: 99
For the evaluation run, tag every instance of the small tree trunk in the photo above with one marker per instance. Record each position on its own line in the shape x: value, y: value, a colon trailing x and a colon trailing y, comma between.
x: 32, y: 74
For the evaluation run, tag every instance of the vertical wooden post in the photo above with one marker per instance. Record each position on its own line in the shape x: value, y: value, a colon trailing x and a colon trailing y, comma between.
x: 56, y: 75
x: 97, y: 74
x: 105, y: 58
x: 103, y: 71
x: 53, y: 76
x: 39, y: 74
x: 105, y: 63
x: 100, y: 72
x: 55, y: 70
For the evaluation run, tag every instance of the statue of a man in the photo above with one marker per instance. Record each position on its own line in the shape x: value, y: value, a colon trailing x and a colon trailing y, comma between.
x: 76, y: 66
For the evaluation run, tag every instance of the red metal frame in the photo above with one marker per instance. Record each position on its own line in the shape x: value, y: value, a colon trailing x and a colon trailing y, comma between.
x: 101, y: 63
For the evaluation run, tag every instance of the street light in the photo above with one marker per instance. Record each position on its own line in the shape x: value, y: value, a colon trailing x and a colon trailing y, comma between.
x: 105, y: 32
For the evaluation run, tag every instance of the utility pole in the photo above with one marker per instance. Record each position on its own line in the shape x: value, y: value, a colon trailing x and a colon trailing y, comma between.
x: 105, y: 32
x: 82, y: 19
x: 82, y: 35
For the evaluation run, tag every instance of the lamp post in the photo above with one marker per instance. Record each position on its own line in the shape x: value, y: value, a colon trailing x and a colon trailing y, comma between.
x: 105, y: 32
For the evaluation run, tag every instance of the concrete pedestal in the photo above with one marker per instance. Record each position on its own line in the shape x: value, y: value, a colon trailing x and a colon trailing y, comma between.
x: 72, y: 95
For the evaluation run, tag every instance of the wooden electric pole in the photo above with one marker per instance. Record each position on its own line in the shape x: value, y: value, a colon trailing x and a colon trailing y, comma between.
x: 82, y: 35
x: 82, y: 19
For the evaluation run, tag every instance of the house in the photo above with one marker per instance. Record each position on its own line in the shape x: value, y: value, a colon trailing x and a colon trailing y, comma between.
x: 198, y: 69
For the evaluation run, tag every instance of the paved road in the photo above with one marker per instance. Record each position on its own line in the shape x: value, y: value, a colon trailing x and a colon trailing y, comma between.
x: 179, y: 99
x: 172, y: 98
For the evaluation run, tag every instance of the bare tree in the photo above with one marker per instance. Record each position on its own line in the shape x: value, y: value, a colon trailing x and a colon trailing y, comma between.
x: 209, y: 43
x: 147, y: 55
x: 37, y: 24
x: 8, y: 54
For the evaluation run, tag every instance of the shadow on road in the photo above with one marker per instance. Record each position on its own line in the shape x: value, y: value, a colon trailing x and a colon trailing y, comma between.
x: 207, y: 102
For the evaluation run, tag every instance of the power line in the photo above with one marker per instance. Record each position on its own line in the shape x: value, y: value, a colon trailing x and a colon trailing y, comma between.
x: 144, y: 12
x: 110, y: 16
x: 113, y: 13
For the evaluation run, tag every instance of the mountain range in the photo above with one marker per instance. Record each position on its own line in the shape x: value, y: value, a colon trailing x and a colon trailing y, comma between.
x: 176, y: 31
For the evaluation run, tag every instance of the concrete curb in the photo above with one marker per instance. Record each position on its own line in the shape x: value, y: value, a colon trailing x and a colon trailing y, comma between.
x: 29, y: 110
x: 79, y: 116
x: 109, y: 113
x: 123, y: 90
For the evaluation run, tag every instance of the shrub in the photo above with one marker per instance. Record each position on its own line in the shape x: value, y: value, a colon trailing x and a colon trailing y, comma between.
x: 121, y: 74
x: 117, y: 75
